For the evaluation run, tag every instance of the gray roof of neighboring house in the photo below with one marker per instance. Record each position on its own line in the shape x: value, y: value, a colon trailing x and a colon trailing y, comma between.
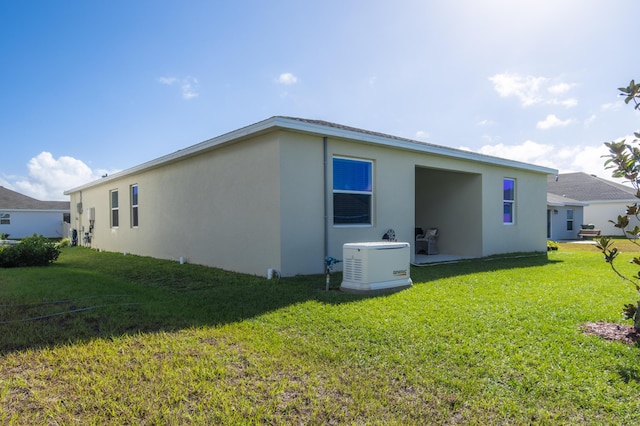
x: 324, y: 129
x: 586, y: 187
x: 12, y: 200
x: 559, y: 200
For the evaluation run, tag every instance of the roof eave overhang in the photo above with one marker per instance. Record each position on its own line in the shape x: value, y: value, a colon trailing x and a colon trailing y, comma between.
x: 18, y: 209
x: 567, y: 204
x: 319, y: 129
x: 409, y: 145
x: 623, y: 200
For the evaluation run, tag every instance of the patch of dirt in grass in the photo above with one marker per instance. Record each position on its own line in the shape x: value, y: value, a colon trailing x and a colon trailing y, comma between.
x: 612, y: 331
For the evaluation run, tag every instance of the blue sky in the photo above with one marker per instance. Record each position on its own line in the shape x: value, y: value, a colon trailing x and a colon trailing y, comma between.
x: 93, y: 87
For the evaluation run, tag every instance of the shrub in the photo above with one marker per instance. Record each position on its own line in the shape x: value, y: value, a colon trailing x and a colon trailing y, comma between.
x: 31, y: 251
x: 65, y: 242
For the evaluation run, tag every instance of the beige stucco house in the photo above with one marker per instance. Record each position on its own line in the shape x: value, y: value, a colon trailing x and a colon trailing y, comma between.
x: 285, y: 193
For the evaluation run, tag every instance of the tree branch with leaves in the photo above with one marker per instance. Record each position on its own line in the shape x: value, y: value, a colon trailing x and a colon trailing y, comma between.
x: 624, y: 161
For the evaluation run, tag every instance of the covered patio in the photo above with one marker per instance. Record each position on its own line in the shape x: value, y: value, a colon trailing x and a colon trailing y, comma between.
x: 432, y: 259
x: 451, y: 202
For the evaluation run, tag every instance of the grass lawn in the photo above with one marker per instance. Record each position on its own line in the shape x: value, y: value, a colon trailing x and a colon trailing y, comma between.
x: 102, y: 338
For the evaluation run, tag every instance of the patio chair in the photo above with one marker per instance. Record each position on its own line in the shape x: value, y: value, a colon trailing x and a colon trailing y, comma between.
x: 427, y: 242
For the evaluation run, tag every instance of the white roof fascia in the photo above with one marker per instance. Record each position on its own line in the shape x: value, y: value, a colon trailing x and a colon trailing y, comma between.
x: 624, y: 200
x: 567, y: 204
x: 13, y: 209
x: 309, y: 127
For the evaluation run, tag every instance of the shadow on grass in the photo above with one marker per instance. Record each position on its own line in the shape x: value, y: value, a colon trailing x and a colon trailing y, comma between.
x: 428, y: 273
x: 87, y: 295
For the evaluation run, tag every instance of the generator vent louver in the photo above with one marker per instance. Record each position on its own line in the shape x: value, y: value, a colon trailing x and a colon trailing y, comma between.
x: 353, y: 270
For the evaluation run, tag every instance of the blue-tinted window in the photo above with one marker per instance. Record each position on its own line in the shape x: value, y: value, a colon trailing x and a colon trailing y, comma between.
x: 509, y: 199
x: 351, y: 175
x: 352, y: 191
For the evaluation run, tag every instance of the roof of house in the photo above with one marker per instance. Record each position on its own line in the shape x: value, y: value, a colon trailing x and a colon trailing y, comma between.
x: 586, y: 187
x: 559, y: 201
x: 12, y: 200
x: 320, y: 128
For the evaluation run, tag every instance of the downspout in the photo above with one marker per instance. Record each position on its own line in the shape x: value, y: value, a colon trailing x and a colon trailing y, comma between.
x: 326, y: 200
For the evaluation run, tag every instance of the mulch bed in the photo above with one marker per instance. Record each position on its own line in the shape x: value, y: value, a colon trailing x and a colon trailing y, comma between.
x: 611, y: 331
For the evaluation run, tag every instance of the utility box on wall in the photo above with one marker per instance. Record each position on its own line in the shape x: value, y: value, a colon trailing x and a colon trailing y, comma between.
x: 372, y: 266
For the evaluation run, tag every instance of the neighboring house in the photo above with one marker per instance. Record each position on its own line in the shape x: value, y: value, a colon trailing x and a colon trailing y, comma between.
x: 605, y: 199
x: 285, y: 193
x: 22, y: 216
x: 564, y: 217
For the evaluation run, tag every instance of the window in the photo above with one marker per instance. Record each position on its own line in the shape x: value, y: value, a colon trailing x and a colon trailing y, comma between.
x: 509, y: 200
x: 352, y: 191
x: 134, y: 206
x: 570, y: 220
x: 5, y: 218
x: 115, y: 222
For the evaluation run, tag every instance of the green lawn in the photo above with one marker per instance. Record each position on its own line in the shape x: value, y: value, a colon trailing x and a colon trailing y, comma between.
x: 102, y: 338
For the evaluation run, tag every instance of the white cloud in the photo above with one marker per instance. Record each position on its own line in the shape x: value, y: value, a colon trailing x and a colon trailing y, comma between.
x: 590, y: 120
x: 552, y: 121
x: 49, y: 177
x: 531, y: 90
x: 560, y: 88
x: 525, y: 88
x: 566, y: 159
x: 422, y: 135
x: 188, y: 85
x: 167, y: 80
x: 528, y: 152
x: 287, y: 78
x: 611, y: 106
x: 567, y: 103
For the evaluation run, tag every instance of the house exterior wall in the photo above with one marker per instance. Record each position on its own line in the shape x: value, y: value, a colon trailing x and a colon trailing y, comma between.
x: 301, y: 204
x: 599, y: 214
x: 259, y: 203
x: 528, y: 233
x: 220, y: 208
x: 468, y: 208
x: 393, y: 200
x: 25, y: 223
x: 558, y: 218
